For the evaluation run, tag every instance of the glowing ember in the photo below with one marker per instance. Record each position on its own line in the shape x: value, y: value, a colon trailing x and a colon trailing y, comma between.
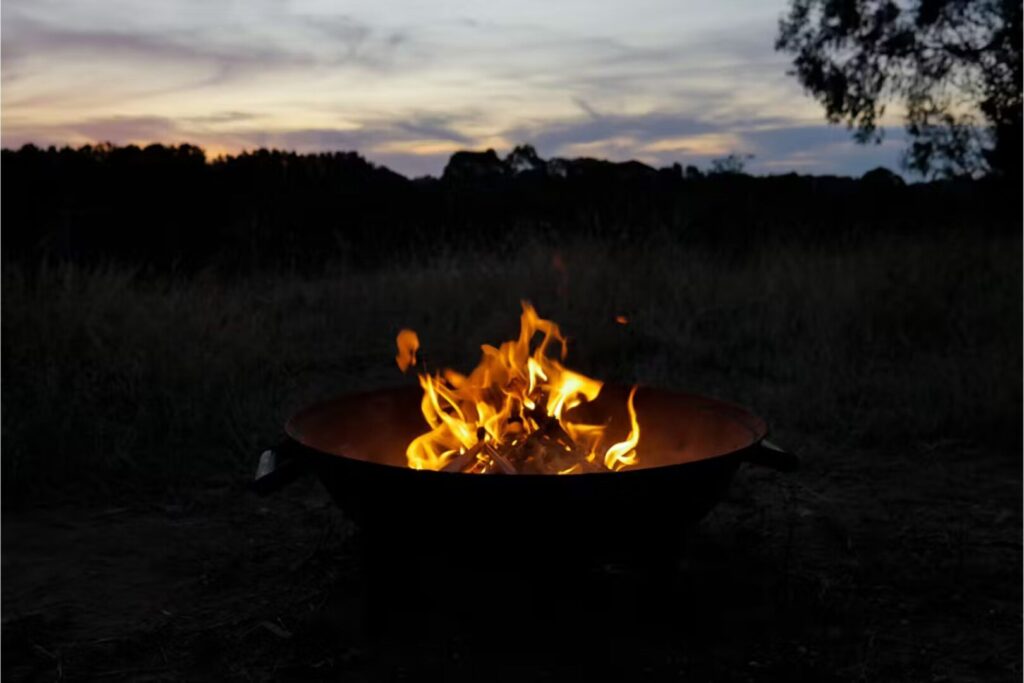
x: 510, y: 415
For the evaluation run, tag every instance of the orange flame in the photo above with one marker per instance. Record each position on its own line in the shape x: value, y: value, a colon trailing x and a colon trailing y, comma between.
x: 514, y: 392
x: 408, y: 344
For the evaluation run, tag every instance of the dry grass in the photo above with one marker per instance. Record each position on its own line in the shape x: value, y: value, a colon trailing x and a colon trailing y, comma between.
x: 893, y: 366
x: 893, y: 343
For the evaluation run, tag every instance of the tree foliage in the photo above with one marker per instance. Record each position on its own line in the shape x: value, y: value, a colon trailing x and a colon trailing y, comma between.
x: 953, y: 65
x: 167, y: 209
x: 731, y: 164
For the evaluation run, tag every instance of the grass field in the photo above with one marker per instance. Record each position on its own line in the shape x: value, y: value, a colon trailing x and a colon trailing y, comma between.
x: 134, y: 408
x: 124, y: 382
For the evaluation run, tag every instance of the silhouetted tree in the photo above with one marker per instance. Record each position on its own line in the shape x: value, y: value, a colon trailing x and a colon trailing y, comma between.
x: 167, y: 209
x: 882, y: 177
x: 524, y: 159
x: 954, y: 65
x: 473, y: 166
x: 732, y: 164
x: 693, y: 173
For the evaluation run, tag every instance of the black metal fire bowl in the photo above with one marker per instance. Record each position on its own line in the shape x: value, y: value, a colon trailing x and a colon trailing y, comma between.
x: 690, y: 448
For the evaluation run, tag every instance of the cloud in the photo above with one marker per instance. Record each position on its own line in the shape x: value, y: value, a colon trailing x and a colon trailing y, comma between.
x: 117, y: 129
x: 28, y: 37
x: 662, y: 135
x: 357, y: 42
x: 660, y: 82
x: 433, y: 126
x: 223, y: 53
x: 644, y: 128
x: 821, y: 149
x: 221, y: 117
x: 587, y: 109
x: 703, y: 145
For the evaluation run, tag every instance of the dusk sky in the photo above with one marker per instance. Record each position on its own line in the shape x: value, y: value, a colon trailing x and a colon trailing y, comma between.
x: 407, y: 83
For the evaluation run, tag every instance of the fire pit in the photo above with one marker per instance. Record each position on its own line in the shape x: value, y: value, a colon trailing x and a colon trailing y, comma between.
x: 356, y: 445
x: 662, y: 460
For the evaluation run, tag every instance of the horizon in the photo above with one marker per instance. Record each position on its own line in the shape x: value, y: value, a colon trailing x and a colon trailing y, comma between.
x: 210, y: 159
x: 655, y: 83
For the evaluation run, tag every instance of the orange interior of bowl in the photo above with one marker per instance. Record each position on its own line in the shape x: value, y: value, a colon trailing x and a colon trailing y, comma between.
x: 674, y: 427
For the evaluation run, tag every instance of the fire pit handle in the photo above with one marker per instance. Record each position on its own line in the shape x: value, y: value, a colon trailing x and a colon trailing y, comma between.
x: 277, y: 468
x: 767, y: 454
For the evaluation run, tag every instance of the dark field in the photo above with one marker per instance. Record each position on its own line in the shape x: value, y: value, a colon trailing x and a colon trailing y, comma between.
x: 134, y: 409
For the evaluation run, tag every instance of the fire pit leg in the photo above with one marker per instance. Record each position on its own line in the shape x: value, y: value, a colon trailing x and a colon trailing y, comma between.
x: 277, y: 467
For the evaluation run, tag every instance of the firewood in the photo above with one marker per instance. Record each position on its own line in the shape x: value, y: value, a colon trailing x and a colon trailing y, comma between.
x: 459, y: 462
x: 548, y: 449
x: 531, y: 448
x: 501, y: 462
x: 465, y: 459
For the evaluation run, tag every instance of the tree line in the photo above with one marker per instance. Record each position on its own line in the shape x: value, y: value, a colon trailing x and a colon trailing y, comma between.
x: 168, y: 208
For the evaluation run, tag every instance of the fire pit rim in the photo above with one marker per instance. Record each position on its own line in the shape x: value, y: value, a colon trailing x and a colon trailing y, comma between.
x: 735, y: 413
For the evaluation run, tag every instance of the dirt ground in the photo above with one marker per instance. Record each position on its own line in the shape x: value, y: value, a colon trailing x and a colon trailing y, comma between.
x: 862, y: 566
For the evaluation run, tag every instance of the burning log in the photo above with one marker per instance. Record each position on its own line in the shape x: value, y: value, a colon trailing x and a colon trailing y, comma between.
x: 459, y: 463
x: 547, y: 449
x: 503, y: 463
x: 464, y: 460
